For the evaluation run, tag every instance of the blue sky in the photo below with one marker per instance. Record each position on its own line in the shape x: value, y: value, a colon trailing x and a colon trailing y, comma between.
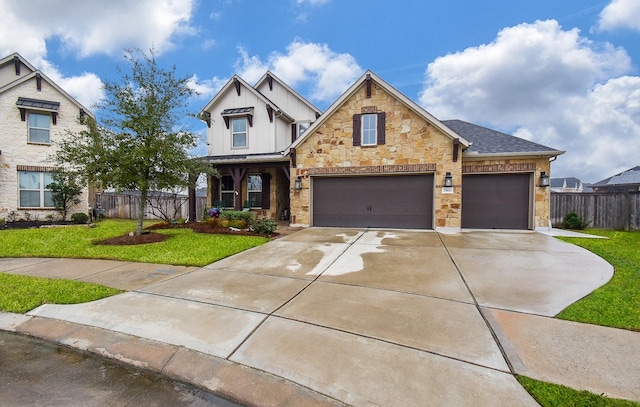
x: 561, y: 73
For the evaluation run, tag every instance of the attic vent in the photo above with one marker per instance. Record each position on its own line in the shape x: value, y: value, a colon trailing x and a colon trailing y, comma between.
x: 16, y: 63
x: 236, y: 83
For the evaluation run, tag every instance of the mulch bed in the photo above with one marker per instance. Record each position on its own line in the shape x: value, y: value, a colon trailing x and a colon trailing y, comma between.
x: 199, y: 227
x: 126, y: 240
x: 204, y: 227
x: 26, y: 224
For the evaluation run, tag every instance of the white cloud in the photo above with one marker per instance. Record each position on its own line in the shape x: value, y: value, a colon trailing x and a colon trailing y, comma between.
x: 86, y: 28
x: 552, y: 86
x: 329, y: 72
x: 325, y: 73
x: 620, y: 14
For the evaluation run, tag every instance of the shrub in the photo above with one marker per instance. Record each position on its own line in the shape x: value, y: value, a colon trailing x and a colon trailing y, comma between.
x: 214, y: 222
x: 237, y: 215
x: 12, y: 216
x: 80, y: 218
x: 238, y: 223
x: 264, y: 226
x: 573, y: 221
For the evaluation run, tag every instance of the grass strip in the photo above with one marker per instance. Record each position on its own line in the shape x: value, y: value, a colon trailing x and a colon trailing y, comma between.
x: 555, y: 395
x: 21, y: 294
x: 617, y: 303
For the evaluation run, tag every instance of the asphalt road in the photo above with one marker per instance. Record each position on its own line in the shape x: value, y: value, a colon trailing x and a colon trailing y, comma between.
x: 37, y: 373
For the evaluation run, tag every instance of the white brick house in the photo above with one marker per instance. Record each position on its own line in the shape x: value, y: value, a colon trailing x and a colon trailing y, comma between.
x: 35, y: 113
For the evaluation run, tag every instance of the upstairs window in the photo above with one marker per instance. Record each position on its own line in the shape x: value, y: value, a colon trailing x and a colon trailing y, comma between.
x: 239, y: 133
x: 39, y: 128
x: 302, y: 127
x: 34, y: 191
x: 369, y: 129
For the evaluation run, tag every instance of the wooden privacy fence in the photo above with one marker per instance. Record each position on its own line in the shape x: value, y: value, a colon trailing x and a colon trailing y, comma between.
x: 602, y: 211
x: 126, y: 206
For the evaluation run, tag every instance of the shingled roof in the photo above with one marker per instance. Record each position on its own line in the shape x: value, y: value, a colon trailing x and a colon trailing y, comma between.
x: 486, y: 141
x: 630, y: 176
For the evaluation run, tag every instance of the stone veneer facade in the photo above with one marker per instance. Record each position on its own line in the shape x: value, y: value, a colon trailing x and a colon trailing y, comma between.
x: 413, y: 145
x: 18, y: 153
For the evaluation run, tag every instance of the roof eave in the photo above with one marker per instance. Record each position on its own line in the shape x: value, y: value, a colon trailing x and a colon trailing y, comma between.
x: 277, y: 157
x: 528, y: 154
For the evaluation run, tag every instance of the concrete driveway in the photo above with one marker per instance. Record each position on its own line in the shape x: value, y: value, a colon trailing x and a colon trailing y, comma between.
x: 377, y: 317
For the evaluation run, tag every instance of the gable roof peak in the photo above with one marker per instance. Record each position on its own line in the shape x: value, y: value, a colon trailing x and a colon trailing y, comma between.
x: 369, y: 76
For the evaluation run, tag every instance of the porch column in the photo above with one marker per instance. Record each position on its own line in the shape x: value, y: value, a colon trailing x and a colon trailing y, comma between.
x: 237, y: 174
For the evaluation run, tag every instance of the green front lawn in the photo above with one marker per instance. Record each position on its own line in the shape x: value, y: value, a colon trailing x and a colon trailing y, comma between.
x: 553, y: 395
x: 21, y: 294
x: 183, y: 247
x: 617, y: 303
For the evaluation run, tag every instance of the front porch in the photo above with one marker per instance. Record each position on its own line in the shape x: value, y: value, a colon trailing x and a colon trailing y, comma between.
x: 260, y: 187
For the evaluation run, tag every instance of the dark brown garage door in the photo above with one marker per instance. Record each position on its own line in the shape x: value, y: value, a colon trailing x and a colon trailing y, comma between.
x: 496, y: 201
x: 374, y: 201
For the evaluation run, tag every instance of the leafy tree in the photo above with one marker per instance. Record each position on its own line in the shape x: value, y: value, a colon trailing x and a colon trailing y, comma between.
x: 65, y: 190
x: 137, y: 147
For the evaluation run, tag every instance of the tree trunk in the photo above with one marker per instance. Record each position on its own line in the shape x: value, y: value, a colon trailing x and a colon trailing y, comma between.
x: 141, y: 208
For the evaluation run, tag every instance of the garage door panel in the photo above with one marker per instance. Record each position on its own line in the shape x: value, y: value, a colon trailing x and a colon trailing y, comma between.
x: 374, y: 201
x: 496, y: 201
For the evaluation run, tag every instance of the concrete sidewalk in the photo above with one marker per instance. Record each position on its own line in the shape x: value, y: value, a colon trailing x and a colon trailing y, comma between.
x: 330, y: 316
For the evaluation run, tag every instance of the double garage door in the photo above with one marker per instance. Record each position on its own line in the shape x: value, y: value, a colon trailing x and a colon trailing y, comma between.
x: 489, y: 201
x: 374, y: 201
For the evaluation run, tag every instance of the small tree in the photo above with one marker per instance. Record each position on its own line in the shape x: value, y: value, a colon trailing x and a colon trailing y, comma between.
x: 138, y: 148
x: 65, y: 190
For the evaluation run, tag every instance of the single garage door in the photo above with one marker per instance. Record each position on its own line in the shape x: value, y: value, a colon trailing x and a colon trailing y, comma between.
x: 374, y: 201
x: 496, y: 201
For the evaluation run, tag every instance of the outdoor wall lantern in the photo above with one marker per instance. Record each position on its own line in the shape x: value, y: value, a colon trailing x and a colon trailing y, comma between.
x: 544, y: 179
x: 298, y: 184
x: 448, y: 180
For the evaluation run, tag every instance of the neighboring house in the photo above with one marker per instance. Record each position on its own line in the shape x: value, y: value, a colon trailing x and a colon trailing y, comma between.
x: 377, y: 159
x: 249, y: 131
x: 34, y: 114
x: 626, y: 182
x: 570, y: 184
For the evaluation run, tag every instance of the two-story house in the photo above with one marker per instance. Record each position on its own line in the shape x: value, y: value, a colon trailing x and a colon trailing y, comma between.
x: 34, y: 114
x: 374, y: 159
x: 249, y: 129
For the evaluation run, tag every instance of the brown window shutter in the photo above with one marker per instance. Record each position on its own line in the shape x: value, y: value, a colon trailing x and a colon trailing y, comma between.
x: 357, y: 127
x: 293, y: 158
x: 266, y: 190
x: 294, y: 133
x: 381, y: 127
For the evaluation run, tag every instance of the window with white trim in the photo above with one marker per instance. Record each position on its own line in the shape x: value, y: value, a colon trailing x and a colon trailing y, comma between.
x: 302, y: 127
x: 254, y: 190
x: 369, y: 129
x: 39, y: 127
x: 239, y: 133
x: 33, y: 189
x: 227, y: 193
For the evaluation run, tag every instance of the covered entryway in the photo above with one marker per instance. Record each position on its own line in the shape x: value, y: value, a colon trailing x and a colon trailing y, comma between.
x: 496, y: 201
x: 374, y: 201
